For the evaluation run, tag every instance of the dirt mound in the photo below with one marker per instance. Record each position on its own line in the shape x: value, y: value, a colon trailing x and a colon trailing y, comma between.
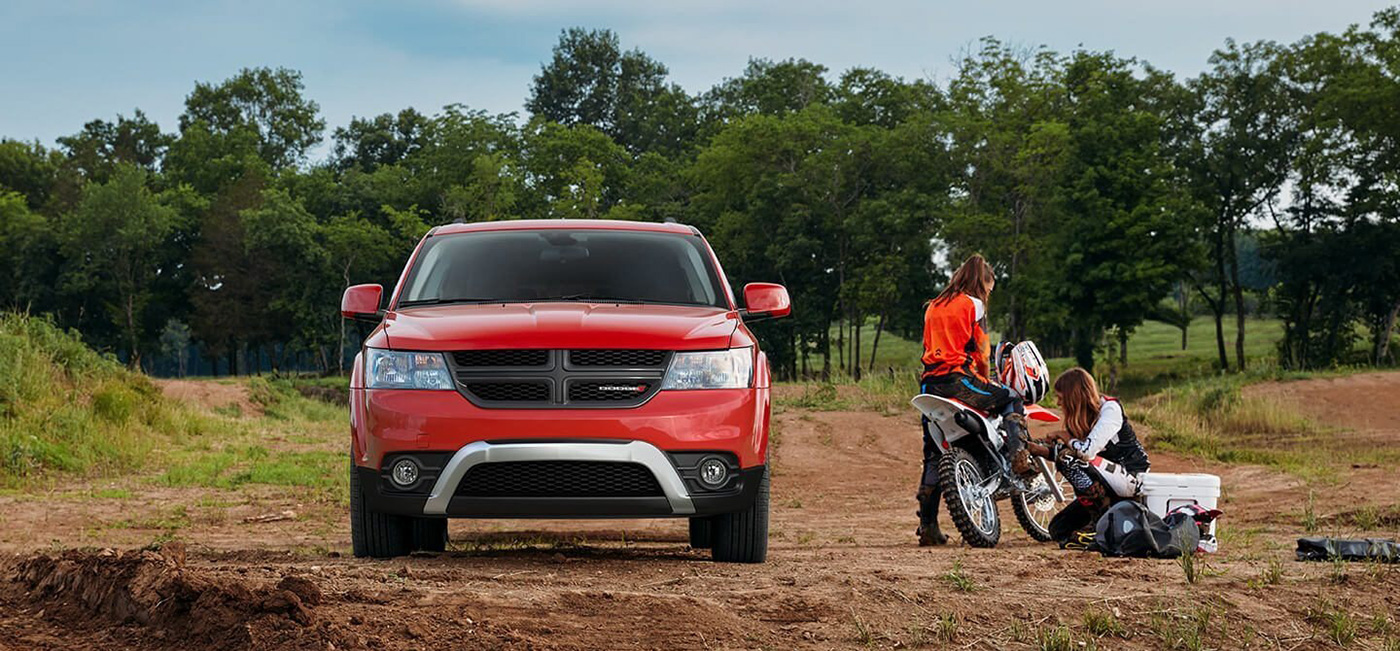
x: 1365, y: 403
x: 153, y: 593
x: 213, y: 395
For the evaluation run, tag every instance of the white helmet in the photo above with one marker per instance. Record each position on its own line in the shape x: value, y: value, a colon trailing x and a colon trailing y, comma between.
x: 1022, y: 369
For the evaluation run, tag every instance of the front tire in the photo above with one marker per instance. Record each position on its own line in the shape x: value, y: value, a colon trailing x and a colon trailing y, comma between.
x: 375, y: 535
x: 743, y: 537
x: 974, y: 515
x: 1034, y: 515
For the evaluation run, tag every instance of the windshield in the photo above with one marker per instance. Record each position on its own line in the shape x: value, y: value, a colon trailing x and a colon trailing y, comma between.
x: 563, y: 265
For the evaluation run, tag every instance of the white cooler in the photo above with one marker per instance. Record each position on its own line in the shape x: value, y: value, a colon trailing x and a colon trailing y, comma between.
x: 1164, y: 491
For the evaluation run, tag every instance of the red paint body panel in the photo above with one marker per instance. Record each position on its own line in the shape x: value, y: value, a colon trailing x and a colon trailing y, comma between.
x: 1036, y: 412
x: 560, y: 325
x: 733, y: 420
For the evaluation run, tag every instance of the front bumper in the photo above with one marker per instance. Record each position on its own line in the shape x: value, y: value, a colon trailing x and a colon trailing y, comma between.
x: 385, y: 422
x: 679, y: 496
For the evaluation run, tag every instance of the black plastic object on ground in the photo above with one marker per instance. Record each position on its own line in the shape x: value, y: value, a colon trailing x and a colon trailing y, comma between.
x: 1369, y: 549
x: 1129, y: 529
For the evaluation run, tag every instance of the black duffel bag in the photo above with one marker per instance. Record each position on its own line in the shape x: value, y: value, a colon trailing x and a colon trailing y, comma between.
x: 1129, y: 529
x: 1369, y: 549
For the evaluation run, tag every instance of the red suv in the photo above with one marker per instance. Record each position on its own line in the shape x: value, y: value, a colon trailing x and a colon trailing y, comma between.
x: 560, y: 369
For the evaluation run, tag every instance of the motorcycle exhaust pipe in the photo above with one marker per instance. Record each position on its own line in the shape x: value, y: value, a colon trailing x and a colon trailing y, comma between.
x: 969, y: 422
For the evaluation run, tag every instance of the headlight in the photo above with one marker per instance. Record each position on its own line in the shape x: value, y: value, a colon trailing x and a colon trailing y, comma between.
x: 719, y: 369
x: 389, y: 369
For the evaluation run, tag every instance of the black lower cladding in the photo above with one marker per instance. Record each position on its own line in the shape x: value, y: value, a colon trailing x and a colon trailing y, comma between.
x: 559, y: 478
x: 739, y: 497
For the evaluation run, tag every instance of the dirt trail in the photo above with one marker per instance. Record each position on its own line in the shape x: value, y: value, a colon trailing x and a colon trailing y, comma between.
x: 210, y: 394
x: 843, y: 571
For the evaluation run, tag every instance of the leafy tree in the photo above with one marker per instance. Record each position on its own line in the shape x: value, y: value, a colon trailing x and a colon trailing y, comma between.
x: 109, y: 244
x: 577, y: 171
x: 591, y: 81
x: 1010, y: 141
x: 769, y: 88
x: 386, y: 139
x: 355, y: 247
x: 29, y: 169
x: 26, y: 239
x: 1120, y: 235
x: 101, y: 146
x: 1239, y: 165
x: 264, y: 101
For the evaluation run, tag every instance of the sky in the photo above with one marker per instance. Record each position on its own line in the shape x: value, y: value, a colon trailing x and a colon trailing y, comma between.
x: 65, y: 62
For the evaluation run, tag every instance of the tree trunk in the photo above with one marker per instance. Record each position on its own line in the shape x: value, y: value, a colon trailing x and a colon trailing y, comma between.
x: 1238, y: 293
x: 875, y: 346
x: 1220, y: 339
x: 134, y: 361
x: 1219, y: 308
x: 825, y: 339
x: 1123, y: 348
x: 856, y: 345
x: 1112, y: 366
x: 1183, y: 301
x: 841, y: 341
x: 1383, y: 350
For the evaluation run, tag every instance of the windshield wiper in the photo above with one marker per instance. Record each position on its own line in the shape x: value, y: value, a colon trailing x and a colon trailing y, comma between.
x: 592, y: 298
x: 448, y: 301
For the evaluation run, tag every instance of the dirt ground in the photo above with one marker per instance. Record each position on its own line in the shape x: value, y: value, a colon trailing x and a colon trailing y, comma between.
x: 843, y: 569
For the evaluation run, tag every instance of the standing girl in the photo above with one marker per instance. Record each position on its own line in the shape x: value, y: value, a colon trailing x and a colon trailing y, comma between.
x: 956, y: 365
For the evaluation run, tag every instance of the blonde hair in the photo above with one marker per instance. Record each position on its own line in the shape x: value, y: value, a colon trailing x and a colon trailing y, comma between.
x: 974, y: 277
x: 1079, y: 396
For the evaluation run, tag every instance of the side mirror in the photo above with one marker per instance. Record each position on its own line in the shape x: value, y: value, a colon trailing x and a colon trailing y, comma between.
x: 765, y: 301
x: 361, y: 303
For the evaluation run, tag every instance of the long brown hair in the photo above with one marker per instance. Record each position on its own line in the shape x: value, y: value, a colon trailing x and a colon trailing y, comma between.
x: 1079, y: 397
x: 974, y: 277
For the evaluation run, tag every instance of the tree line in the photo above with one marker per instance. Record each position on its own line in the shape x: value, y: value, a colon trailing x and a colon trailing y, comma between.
x: 1106, y: 191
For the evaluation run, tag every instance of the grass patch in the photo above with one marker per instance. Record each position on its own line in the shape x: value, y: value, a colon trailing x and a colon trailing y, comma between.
x: 1100, y: 623
x: 958, y: 578
x: 1336, y: 624
x: 66, y: 408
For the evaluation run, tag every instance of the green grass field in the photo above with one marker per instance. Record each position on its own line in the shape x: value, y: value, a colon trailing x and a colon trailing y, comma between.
x: 1155, y: 356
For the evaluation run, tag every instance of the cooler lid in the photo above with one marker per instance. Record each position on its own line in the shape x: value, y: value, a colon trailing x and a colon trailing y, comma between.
x: 1180, y: 480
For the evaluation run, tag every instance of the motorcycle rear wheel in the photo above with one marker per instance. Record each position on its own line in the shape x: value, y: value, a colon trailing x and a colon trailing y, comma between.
x: 975, y: 515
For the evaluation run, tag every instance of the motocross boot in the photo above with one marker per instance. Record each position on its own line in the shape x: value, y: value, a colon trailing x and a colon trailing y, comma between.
x: 1016, y: 440
x: 928, y: 532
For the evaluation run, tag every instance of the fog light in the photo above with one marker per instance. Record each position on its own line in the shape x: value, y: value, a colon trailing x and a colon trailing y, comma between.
x: 713, y: 472
x: 404, y: 473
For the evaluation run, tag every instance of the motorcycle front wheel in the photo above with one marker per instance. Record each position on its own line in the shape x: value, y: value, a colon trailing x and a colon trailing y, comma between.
x: 1035, y: 508
x: 973, y: 509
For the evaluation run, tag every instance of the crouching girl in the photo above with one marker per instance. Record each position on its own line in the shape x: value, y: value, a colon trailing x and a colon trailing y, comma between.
x: 1098, y: 453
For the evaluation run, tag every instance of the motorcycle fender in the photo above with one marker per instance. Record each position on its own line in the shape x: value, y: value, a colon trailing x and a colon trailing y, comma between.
x: 941, y: 411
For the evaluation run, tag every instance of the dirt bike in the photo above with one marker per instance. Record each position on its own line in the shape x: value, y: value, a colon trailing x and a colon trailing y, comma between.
x: 974, y: 472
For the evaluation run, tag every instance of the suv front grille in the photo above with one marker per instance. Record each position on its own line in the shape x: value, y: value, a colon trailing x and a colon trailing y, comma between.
x: 617, y: 358
x: 502, y: 358
x: 510, y: 391
x: 540, y: 378
x: 559, y: 479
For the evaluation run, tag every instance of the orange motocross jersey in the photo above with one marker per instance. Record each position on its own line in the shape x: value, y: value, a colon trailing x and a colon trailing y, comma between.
x: 954, y: 339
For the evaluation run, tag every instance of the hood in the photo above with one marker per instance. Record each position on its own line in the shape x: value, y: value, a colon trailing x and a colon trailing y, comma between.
x: 560, y: 325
